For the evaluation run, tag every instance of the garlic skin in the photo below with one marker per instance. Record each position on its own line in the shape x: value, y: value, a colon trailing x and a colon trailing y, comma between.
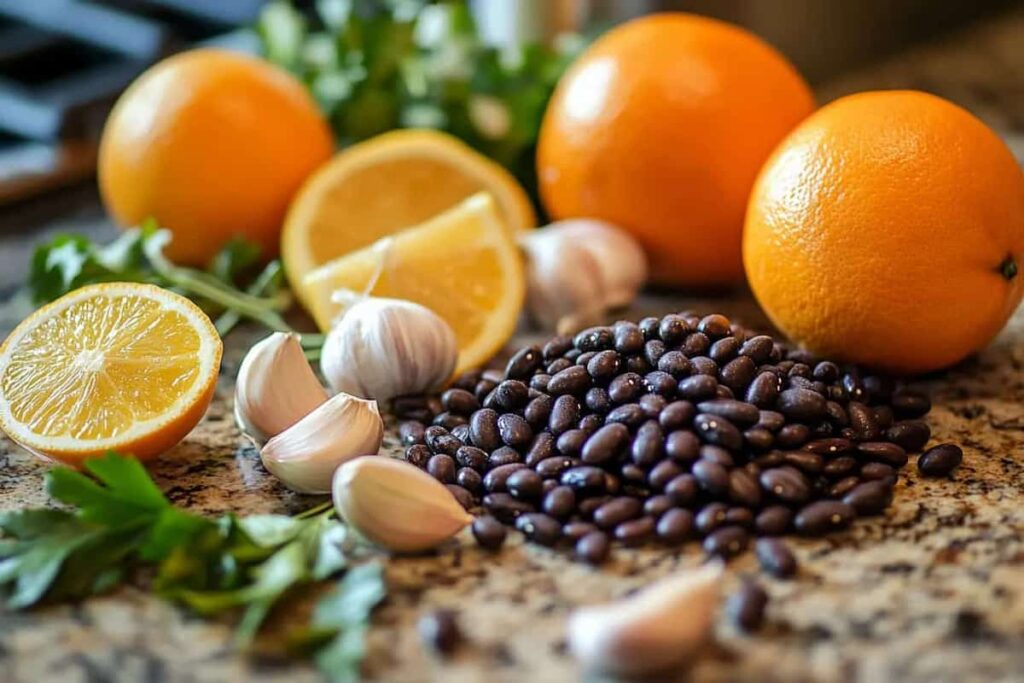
x: 305, y: 456
x: 579, y: 269
x: 396, y: 505
x: 275, y: 387
x: 382, y: 348
x: 660, y: 627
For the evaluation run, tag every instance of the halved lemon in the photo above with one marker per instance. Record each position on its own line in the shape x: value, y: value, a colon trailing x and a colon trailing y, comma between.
x: 463, y: 264
x: 121, y: 366
x: 392, y: 182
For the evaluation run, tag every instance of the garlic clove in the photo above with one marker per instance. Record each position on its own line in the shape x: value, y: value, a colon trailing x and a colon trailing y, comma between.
x: 305, y: 456
x: 660, y: 627
x: 381, y: 348
x: 619, y: 256
x: 275, y: 387
x: 396, y: 505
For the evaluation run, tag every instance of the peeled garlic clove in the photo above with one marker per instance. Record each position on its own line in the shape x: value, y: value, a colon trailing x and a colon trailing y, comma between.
x: 305, y: 456
x: 382, y: 348
x: 396, y: 505
x: 577, y: 270
x: 275, y: 388
x: 660, y: 627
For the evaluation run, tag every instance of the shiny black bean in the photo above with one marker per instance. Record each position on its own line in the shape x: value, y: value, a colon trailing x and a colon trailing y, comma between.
x: 605, y: 444
x: 792, y: 436
x: 410, y: 433
x: 802, y: 405
x: 553, y: 467
x: 878, y: 470
x: 539, y: 528
x: 629, y: 414
x: 839, y: 467
x: 524, y: 484
x: 618, y: 510
x: 744, y: 489
x: 462, y: 494
x: 773, y: 520
x: 940, y: 461
x: 539, y: 382
x: 584, y: 479
x: 633, y: 474
x: 418, y: 455
x: 702, y: 365
x: 524, y: 363
x: 738, y: 373
x: 556, y: 347
x: 673, y: 329
x: 740, y: 413
x: 556, y: 366
x: 593, y: 548
x: 824, y: 516
x: 594, y: 339
x: 662, y: 473
x: 460, y: 401
x: 565, y: 414
x: 869, y: 498
x: 604, y: 365
x: 652, y: 405
x: 909, y: 404
x: 757, y: 349
x: 719, y: 431
x: 638, y: 365
x: 542, y: 448
x: 648, y: 448
x: 628, y: 337
x: 830, y: 447
x: 883, y: 451
x: 489, y: 532
x: 682, y: 489
x: 696, y: 344
x: 660, y: 383
x: 724, y: 350
x: 717, y: 454
x: 711, y: 477
x: 559, y: 502
x: 577, y: 530
x: 775, y: 557
x: 714, y: 325
x: 496, y: 480
x: 770, y: 420
x: 682, y: 446
x: 675, y: 363
x: 786, y: 483
x: 843, y: 486
x: 863, y: 421
x: 746, y: 606
x: 573, y: 380
x: 836, y: 414
x: 674, y: 526
x: 763, y: 390
x: 439, y: 440
x: 805, y: 461
x: 442, y: 467
x: 826, y: 371
x: 509, y: 395
x: 697, y: 388
x: 626, y: 388
x: 710, y: 517
x: 853, y: 385
x: 514, y: 430
x: 571, y: 442
x: 467, y: 380
x: 469, y: 479
x: 911, y: 435
x: 597, y: 400
x: 758, y: 439
x: 504, y: 455
x: 538, y: 411
x: 657, y: 505
x: 483, y: 429
x: 653, y: 351
x: 677, y: 415
x: 635, y: 531
x: 726, y: 541
x: 505, y: 507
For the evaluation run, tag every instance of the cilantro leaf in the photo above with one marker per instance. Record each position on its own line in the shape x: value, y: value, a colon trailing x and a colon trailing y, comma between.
x: 347, y: 609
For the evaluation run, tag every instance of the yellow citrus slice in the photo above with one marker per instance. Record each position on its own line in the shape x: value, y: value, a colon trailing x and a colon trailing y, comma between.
x: 391, y: 182
x: 121, y: 366
x: 463, y: 264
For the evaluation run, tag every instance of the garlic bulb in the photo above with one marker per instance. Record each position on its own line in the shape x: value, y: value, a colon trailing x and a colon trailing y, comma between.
x: 579, y: 269
x: 660, y: 627
x: 382, y: 348
x: 275, y: 388
x: 396, y: 505
x: 305, y: 456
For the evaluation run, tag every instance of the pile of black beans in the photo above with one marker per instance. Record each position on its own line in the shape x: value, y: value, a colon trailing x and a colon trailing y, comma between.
x: 667, y: 430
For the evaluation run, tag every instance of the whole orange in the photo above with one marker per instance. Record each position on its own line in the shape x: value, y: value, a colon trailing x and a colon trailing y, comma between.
x: 660, y: 127
x: 212, y: 144
x: 888, y: 230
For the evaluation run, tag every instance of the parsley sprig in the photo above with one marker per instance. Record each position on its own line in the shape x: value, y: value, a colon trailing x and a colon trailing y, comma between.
x: 119, y: 528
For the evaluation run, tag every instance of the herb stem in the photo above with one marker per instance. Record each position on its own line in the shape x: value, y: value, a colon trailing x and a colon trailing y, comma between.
x: 230, y: 318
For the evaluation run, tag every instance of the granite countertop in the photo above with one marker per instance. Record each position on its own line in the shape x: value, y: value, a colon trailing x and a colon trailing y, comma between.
x: 932, y: 591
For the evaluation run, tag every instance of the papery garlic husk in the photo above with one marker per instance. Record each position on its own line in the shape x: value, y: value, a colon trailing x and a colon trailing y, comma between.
x: 579, y: 269
x: 276, y: 387
x: 305, y: 456
x: 660, y: 627
x: 396, y: 505
x: 382, y: 348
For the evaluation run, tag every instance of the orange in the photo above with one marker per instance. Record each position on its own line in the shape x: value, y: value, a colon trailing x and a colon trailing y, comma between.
x: 213, y: 145
x: 391, y: 182
x: 122, y: 366
x: 660, y: 127
x: 888, y: 230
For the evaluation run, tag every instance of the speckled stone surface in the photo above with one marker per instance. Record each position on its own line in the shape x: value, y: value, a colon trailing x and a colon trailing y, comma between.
x: 934, y: 590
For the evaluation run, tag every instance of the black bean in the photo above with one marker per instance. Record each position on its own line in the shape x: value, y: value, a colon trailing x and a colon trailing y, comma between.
x: 758, y: 348
x: 439, y: 440
x: 496, y: 480
x: 524, y: 484
x: 717, y: 454
x: 542, y: 448
x: 773, y: 520
x: 770, y: 420
x: 587, y: 506
x: 442, y: 468
x: 878, y: 470
x: 418, y: 455
x: 556, y: 366
x: 675, y: 363
x: 483, y: 429
x: 696, y: 344
x: 626, y: 388
x: 489, y: 532
x: 565, y: 413
x: 597, y: 400
x: 638, y: 365
x: 571, y: 442
x: 593, y: 548
x: 711, y: 477
x: 763, y: 390
x: 710, y: 517
x: 629, y: 414
x: 577, y: 530
x: 843, y: 486
x: 635, y: 531
x: 552, y: 468
x: 539, y: 528
x: 459, y: 401
x: 439, y: 630
x: 469, y: 479
x: 504, y: 455
x: 682, y: 446
x: 697, y: 388
x: 746, y: 606
x: 839, y: 467
x: 792, y: 436
x: 657, y: 505
x: 739, y: 413
x: 505, y: 507
x: 662, y: 473
x: 775, y: 557
x: 461, y: 432
x: 584, y: 479
x: 802, y: 405
x: 883, y: 451
x: 940, y: 461
x: 604, y: 365
x: 410, y: 433
x: 605, y: 444
x: 824, y: 516
x: 556, y: 347
x: 724, y: 350
x: 467, y: 380
x: 509, y: 395
x: 653, y: 351
x: 908, y: 404
x: 618, y: 510
x: 702, y: 365
x: 884, y: 416
x: 573, y: 380
x: 826, y: 371
x: 540, y: 381
x: 673, y: 329
x: 461, y: 494
x: 744, y: 489
x: 559, y: 502
x: 674, y: 526
x: 660, y: 383
x: 726, y: 541
x: 738, y: 373
x: 594, y: 339
x: 652, y: 405
x: 911, y: 435
x: 719, y: 431
x: 682, y: 489
x: 863, y: 421
x: 853, y: 385
x: 786, y: 483
x: 830, y: 447
x: 869, y: 498
x: 714, y: 325
x: 805, y: 461
x: 628, y: 337
x: 524, y: 363
x: 677, y: 415
x: 648, y: 448
x: 758, y: 439
x: 538, y: 411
